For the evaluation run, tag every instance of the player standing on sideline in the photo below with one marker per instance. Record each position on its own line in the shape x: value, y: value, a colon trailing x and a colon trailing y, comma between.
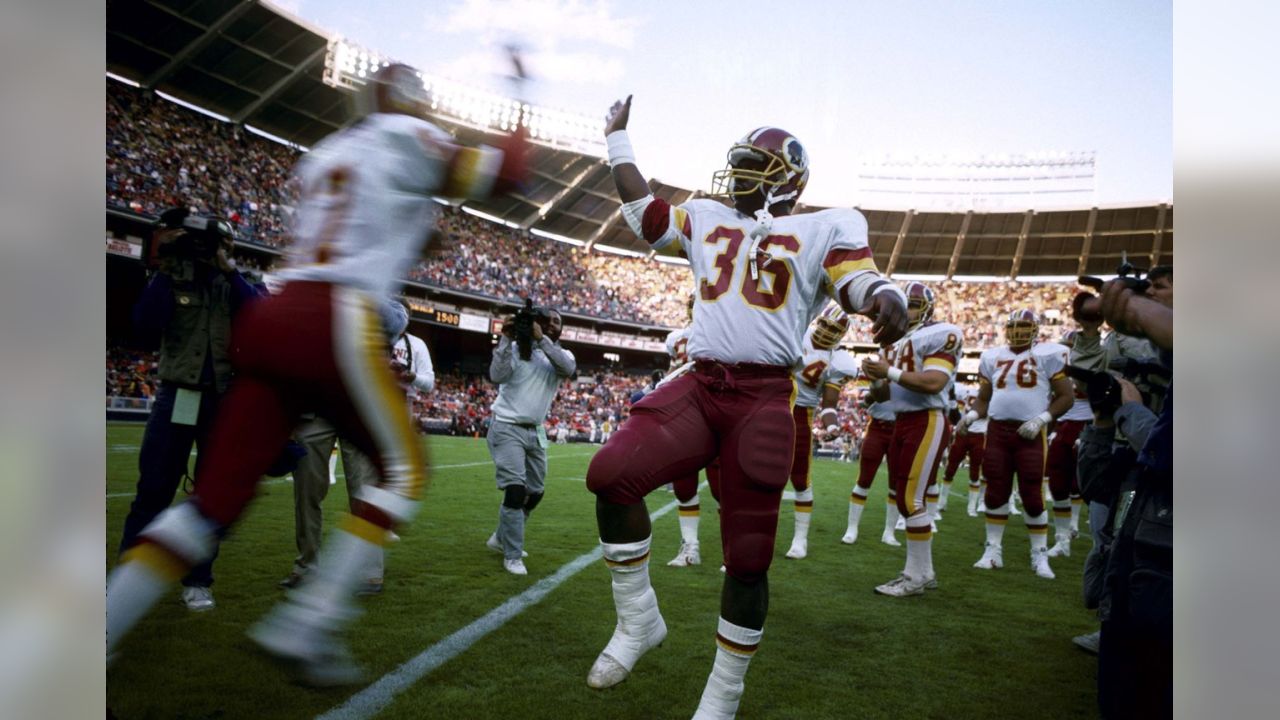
x: 1022, y: 387
x: 919, y: 368
x: 821, y: 374
x: 760, y: 273
x: 363, y: 219
x: 875, y: 445
x: 1060, y: 464
x: 970, y: 439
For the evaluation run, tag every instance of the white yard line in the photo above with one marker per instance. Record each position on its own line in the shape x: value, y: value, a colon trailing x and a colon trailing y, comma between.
x: 375, y: 698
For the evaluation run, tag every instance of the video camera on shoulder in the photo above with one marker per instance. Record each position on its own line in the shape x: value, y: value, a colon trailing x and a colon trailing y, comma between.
x: 522, y: 326
x: 199, y: 240
x: 1102, y: 389
x: 1087, y: 307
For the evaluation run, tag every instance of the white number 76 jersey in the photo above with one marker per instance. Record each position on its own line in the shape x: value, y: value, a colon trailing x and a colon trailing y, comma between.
x: 1020, y: 381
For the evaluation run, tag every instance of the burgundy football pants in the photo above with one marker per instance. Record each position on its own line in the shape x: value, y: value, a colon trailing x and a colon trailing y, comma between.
x: 1061, y: 462
x: 320, y: 348
x: 968, y: 445
x: 1008, y: 453
x: 875, y: 445
x: 740, y: 414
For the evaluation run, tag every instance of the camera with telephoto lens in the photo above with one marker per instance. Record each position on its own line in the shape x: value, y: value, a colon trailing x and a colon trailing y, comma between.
x: 199, y: 240
x: 1087, y: 307
x: 1102, y: 389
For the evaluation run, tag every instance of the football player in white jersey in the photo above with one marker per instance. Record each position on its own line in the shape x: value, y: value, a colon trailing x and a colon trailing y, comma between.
x: 919, y: 368
x: 970, y: 438
x: 1022, y: 388
x: 760, y: 273
x: 1060, y: 465
x: 318, y: 346
x: 820, y: 376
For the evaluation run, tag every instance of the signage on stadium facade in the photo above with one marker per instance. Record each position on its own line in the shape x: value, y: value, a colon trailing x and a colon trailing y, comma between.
x: 116, y: 246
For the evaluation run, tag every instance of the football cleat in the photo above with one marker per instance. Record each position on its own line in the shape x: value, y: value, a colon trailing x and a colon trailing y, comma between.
x: 515, y: 567
x: 904, y: 586
x: 294, y: 579
x: 992, y: 558
x: 615, y: 662
x: 1061, y: 547
x: 198, y: 599
x: 889, y: 539
x: 317, y: 656
x: 493, y: 544
x: 799, y: 548
x: 688, y: 555
x: 1040, y: 563
x: 851, y: 536
x: 1089, y: 643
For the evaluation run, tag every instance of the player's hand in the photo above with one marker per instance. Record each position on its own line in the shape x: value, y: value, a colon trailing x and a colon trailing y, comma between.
x: 1128, y: 391
x: 874, y: 367
x: 1030, y: 429
x: 618, y: 116
x: 537, y: 331
x: 889, y: 313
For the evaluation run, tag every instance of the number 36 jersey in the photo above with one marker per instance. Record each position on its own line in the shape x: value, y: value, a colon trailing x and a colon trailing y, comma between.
x: 933, y: 346
x: 741, y: 318
x: 819, y: 369
x: 1020, y: 381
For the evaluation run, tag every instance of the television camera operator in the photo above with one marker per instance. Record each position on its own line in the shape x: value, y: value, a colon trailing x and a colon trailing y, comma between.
x: 1126, y: 463
x: 528, y: 365
x: 189, y: 302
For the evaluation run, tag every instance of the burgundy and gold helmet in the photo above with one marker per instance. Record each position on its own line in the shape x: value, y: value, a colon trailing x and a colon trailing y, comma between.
x: 393, y: 88
x: 830, y: 327
x: 1021, y: 329
x: 769, y: 162
x: 920, y: 299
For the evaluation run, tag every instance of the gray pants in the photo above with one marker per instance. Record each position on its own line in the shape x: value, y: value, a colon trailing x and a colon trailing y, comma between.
x: 311, y: 485
x: 519, y: 459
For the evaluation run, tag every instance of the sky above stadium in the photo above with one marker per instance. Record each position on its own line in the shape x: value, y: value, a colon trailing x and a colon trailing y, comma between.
x: 852, y: 80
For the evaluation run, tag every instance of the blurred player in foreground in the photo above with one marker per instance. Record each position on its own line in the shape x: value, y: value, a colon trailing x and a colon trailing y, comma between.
x: 762, y: 274
x: 364, y: 216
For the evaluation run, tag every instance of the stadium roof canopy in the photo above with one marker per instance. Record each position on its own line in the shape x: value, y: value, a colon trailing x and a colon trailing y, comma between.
x: 257, y: 65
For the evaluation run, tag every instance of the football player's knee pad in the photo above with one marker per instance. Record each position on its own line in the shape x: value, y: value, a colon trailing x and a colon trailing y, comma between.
x: 514, y: 496
x: 532, y: 501
x: 748, y: 558
x: 381, y: 506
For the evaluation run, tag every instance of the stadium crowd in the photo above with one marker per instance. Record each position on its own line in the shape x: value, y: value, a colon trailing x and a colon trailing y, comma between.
x: 159, y: 154
x: 131, y: 373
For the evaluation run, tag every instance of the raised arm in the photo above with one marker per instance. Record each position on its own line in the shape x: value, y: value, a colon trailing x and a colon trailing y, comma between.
x: 622, y: 160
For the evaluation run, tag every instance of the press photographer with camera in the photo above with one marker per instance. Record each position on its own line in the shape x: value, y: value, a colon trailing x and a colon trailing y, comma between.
x: 528, y: 366
x: 1130, y: 579
x: 189, y: 303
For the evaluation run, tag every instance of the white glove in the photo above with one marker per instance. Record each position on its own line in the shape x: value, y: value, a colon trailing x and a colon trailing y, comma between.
x: 1030, y: 429
x: 966, y: 420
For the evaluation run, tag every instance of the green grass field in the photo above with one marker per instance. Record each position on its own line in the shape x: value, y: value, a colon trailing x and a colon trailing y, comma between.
x: 986, y: 644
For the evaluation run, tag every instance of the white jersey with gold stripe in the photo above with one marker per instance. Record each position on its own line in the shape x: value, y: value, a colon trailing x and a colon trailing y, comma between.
x: 678, y: 345
x: 1020, y: 381
x: 820, y: 369
x: 744, y: 317
x: 932, y: 346
x: 365, y: 209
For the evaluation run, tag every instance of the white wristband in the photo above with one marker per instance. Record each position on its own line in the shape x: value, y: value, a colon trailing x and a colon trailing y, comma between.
x: 1045, y: 417
x: 971, y: 416
x: 620, y: 152
x: 895, y: 374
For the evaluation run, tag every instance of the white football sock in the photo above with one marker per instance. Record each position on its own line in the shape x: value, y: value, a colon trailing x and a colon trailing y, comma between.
x: 857, y: 502
x: 996, y: 519
x: 690, y: 513
x: 804, y: 513
x: 891, y: 515
x: 1076, y: 502
x: 735, y: 647
x: 1038, y: 529
x: 633, y: 595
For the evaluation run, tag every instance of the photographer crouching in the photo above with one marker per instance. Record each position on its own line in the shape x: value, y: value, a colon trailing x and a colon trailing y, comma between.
x: 1126, y: 464
x: 528, y: 365
x: 189, y: 303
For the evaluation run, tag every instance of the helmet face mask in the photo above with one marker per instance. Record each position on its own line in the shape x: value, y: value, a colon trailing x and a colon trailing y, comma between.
x: 767, y: 167
x: 1021, y: 329
x: 829, y: 328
